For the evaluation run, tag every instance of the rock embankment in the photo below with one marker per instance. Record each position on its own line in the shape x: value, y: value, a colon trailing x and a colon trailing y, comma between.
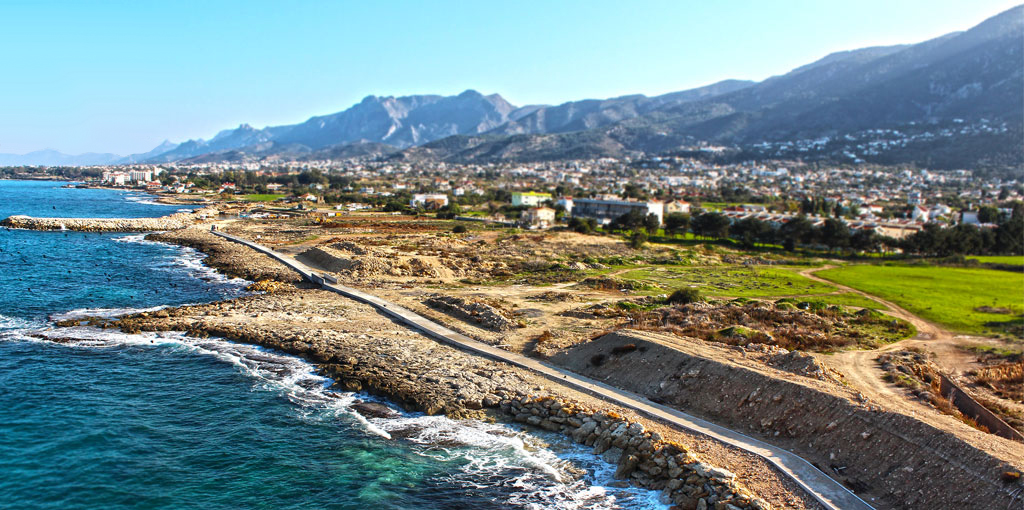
x: 169, y: 222
x: 363, y: 351
x: 477, y: 312
x: 229, y: 258
x: 907, y: 463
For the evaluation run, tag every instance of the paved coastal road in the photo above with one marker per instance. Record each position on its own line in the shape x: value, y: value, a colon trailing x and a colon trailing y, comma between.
x: 825, y: 490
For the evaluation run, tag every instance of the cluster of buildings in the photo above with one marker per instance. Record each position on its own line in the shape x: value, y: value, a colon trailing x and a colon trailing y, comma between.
x: 132, y: 177
x: 901, y: 199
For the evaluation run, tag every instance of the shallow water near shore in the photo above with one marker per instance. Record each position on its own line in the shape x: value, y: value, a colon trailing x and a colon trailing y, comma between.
x: 99, y: 419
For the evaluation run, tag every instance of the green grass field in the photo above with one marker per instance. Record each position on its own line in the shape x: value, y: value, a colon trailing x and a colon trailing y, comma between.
x: 950, y: 296
x: 262, y: 197
x: 730, y: 281
x: 1015, y: 260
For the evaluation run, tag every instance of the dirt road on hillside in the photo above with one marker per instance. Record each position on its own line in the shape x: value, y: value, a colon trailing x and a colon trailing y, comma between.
x: 864, y: 374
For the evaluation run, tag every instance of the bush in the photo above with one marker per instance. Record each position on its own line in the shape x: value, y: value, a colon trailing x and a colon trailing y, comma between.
x: 583, y: 225
x: 685, y: 296
x: 638, y: 239
x: 459, y: 229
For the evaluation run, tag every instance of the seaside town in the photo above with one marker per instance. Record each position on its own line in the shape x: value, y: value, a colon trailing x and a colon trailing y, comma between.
x: 701, y: 263
x: 883, y: 204
x: 608, y: 266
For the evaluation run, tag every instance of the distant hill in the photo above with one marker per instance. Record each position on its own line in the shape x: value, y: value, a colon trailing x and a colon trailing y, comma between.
x: 394, y: 121
x: 594, y: 113
x: 955, y: 101
x: 51, y: 157
x: 961, y: 90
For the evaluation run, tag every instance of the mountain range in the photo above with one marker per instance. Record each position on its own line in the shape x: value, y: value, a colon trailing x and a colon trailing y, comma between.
x: 953, y: 101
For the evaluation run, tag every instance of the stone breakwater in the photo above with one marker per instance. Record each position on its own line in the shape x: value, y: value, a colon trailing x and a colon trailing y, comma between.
x: 422, y: 375
x: 361, y: 350
x: 169, y: 222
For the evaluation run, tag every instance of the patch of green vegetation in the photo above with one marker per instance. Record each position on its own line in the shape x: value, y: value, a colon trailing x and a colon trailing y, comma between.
x: 951, y: 296
x: 848, y: 299
x: 311, y: 237
x: 264, y: 197
x: 993, y: 350
x: 730, y: 281
x: 718, y: 206
x: 740, y: 332
x: 1010, y: 260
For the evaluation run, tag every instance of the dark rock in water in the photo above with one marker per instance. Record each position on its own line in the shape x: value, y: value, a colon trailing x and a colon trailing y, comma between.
x: 374, y: 410
x: 350, y: 385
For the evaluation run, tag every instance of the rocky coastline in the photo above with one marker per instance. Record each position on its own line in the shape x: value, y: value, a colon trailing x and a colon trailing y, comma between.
x: 363, y: 351
x: 169, y: 222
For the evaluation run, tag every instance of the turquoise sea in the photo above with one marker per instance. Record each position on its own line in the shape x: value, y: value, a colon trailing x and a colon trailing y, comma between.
x: 164, y: 421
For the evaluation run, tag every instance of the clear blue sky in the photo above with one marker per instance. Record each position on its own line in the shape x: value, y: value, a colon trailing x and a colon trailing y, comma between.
x: 121, y: 76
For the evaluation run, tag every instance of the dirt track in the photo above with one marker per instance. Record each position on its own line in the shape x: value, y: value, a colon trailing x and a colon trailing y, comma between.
x: 864, y: 374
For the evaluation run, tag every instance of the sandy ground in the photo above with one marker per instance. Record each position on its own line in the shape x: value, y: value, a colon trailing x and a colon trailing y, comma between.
x: 544, y: 331
x: 401, y: 364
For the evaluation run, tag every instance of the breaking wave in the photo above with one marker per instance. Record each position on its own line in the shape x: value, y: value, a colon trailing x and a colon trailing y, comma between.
x: 531, y: 469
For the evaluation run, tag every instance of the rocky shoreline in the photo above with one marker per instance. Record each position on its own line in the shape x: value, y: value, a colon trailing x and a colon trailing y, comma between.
x: 364, y: 351
x: 169, y: 222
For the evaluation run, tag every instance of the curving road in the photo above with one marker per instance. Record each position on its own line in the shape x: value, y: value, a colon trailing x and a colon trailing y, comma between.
x: 830, y: 493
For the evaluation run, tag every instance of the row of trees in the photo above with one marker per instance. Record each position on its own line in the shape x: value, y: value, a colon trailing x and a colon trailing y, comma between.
x: 835, y: 235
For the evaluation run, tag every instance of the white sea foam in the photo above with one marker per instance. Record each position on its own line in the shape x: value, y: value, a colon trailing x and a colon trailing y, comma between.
x: 539, y: 469
x: 104, y: 313
x: 12, y: 323
x: 144, y: 199
x: 132, y: 238
x: 188, y: 260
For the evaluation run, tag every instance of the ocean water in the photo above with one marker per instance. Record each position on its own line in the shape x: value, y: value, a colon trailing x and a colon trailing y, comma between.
x: 92, y: 418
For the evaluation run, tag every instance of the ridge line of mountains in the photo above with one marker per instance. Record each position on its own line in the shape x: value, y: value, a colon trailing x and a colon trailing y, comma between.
x: 956, y: 101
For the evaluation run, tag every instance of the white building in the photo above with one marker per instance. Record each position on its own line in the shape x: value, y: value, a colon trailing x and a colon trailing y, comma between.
x: 605, y: 211
x: 529, y: 198
x: 429, y: 200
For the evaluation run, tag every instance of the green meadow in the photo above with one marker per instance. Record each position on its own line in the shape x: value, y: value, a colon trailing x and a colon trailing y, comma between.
x: 968, y: 300
x: 760, y: 282
x: 1012, y: 260
x: 263, y: 197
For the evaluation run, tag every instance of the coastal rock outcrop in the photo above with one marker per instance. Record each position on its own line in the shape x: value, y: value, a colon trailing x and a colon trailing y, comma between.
x: 169, y: 222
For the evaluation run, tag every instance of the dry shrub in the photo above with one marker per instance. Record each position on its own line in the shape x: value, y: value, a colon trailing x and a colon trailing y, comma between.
x: 546, y: 336
x: 946, y: 407
x: 1004, y: 374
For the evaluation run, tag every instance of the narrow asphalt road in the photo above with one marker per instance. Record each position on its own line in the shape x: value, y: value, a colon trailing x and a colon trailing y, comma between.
x: 830, y: 493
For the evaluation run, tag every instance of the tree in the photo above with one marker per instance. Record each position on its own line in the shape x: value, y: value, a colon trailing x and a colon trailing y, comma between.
x: 449, y: 211
x: 583, y: 225
x: 651, y: 224
x: 865, y: 240
x: 635, y: 219
x: 711, y: 224
x: 637, y: 239
x: 631, y: 190
x: 750, y: 231
x: 988, y: 214
x: 835, y: 234
x: 799, y: 230
x: 1009, y: 236
x: 677, y: 223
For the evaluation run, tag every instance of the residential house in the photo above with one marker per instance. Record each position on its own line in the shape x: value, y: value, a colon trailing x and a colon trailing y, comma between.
x: 677, y: 206
x: 538, y: 217
x: 529, y: 198
x: 429, y: 200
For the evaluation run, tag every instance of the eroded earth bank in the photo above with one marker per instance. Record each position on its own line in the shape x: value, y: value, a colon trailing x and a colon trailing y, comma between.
x: 785, y: 397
